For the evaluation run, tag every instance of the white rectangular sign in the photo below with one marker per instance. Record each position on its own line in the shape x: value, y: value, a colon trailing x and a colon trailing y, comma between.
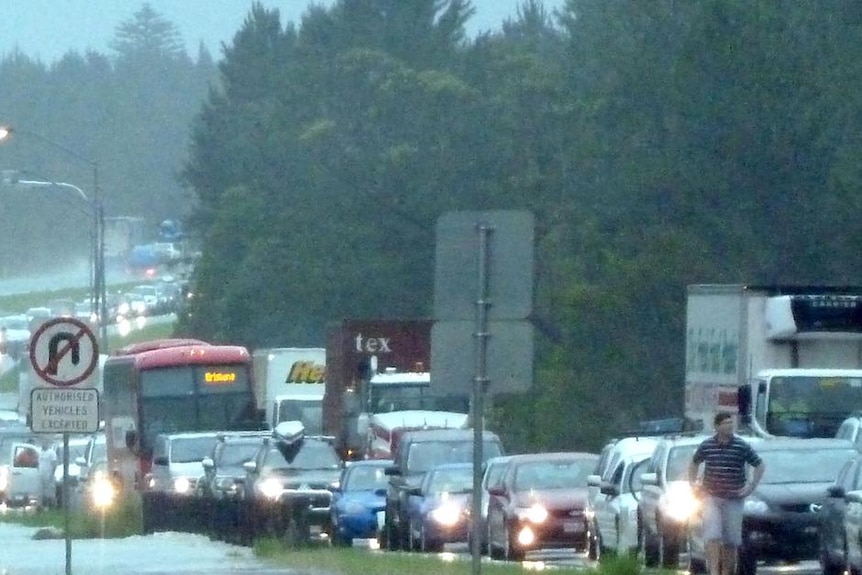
x: 58, y: 410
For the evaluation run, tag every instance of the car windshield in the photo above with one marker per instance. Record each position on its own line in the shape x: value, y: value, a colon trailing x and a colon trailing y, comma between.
x: 366, y: 478
x: 428, y: 454
x: 494, y: 472
x: 459, y: 480
x: 557, y: 474
x: 235, y: 454
x: 187, y: 450
x: 311, y: 455
x: 820, y: 465
x: 677, y: 462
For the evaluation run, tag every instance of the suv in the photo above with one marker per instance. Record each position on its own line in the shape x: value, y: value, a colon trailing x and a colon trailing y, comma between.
x: 177, y: 461
x: 667, y: 502
x: 613, y: 496
x: 418, y: 452
x: 223, y: 469
x: 291, y: 467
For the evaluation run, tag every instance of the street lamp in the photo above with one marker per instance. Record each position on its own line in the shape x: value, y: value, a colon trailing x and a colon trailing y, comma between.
x: 98, y: 278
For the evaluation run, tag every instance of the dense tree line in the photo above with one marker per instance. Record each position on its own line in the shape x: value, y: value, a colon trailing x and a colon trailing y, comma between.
x: 658, y: 144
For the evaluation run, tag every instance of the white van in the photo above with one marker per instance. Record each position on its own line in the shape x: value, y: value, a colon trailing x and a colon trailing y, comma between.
x: 20, y: 484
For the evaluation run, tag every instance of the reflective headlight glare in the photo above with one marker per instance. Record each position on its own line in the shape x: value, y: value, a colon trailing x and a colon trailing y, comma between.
x: 271, y: 488
x: 102, y: 491
x: 534, y: 514
x: 755, y: 506
x: 679, y: 502
x: 182, y: 484
x: 448, y: 514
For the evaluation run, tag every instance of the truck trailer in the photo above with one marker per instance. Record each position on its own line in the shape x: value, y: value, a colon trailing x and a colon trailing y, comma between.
x: 289, y: 385
x: 378, y: 366
x: 787, y: 359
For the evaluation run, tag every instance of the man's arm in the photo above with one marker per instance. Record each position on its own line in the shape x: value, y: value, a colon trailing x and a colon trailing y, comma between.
x: 692, y: 472
x: 755, y: 480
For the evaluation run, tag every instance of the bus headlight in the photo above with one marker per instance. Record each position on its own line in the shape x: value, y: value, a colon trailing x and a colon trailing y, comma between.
x: 679, y: 502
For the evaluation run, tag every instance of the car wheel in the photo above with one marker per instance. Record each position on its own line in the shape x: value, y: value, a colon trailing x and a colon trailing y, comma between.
x: 512, y: 552
x: 428, y: 544
x: 390, y: 534
x: 668, y: 550
x: 828, y: 565
x: 413, y: 543
x: 649, y: 548
x: 746, y: 563
x: 594, y: 546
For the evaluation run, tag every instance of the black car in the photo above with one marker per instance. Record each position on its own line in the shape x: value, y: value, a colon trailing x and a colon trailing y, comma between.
x: 781, y: 518
x: 833, y: 532
x: 223, y: 470
x: 284, y: 472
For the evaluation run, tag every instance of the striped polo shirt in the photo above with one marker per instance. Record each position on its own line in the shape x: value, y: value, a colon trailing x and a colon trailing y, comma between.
x: 724, y: 465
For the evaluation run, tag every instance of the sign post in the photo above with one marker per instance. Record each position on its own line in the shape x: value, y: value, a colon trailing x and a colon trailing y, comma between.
x: 64, y: 352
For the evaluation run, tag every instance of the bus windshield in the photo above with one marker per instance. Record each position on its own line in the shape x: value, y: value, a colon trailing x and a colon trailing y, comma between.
x: 195, y: 398
x: 810, y: 406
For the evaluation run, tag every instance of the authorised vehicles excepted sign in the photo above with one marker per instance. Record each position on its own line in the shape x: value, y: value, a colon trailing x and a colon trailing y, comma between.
x: 72, y: 410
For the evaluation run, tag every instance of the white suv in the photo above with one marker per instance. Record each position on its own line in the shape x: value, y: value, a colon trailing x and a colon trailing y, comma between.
x: 614, y: 493
x: 177, y: 461
x: 667, y: 502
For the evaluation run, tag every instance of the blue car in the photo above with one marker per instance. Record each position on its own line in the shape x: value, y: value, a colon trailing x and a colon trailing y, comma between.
x: 438, y: 508
x: 359, y: 502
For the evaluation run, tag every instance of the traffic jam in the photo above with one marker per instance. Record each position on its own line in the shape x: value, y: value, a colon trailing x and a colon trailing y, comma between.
x: 348, y: 443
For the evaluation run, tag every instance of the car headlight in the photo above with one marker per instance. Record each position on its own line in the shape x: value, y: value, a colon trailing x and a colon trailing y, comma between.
x: 447, y: 514
x: 182, y: 484
x: 679, y: 502
x: 102, y: 491
x: 534, y: 514
x: 755, y: 506
x: 271, y: 488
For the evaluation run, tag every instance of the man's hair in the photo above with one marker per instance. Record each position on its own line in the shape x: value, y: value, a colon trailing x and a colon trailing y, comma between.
x: 720, y: 417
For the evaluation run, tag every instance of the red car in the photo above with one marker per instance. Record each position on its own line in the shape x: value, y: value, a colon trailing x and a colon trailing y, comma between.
x: 540, y: 504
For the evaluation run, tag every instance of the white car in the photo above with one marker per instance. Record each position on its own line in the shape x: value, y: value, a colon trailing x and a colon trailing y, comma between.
x: 178, y: 461
x: 613, y: 498
x: 20, y: 483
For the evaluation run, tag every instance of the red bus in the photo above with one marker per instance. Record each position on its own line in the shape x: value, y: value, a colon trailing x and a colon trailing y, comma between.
x: 170, y: 386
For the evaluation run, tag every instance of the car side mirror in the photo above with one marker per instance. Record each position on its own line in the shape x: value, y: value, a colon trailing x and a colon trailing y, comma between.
x: 609, y: 489
x: 836, y: 491
x: 497, y: 490
x: 208, y: 463
x: 380, y: 492
x: 250, y: 466
x: 649, y: 479
x: 594, y: 480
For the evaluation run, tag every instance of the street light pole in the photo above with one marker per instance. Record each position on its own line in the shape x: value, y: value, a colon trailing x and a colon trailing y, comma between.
x: 99, y: 295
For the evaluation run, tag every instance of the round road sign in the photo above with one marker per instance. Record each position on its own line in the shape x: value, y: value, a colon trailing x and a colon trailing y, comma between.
x: 64, y: 351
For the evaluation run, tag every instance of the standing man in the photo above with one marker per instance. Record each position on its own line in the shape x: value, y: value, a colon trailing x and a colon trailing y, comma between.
x: 723, y: 490
x: 47, y: 465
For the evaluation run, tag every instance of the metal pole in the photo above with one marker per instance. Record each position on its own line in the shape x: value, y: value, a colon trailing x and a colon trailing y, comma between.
x: 480, y: 384
x: 66, y: 516
x: 101, y: 290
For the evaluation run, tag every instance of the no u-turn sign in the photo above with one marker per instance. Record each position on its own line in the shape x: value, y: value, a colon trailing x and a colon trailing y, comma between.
x: 64, y: 352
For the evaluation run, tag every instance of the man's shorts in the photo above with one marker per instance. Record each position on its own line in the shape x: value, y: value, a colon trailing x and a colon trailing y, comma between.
x: 722, y: 520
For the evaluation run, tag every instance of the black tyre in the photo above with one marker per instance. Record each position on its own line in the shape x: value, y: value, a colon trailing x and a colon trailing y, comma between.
x: 669, y: 546
x: 649, y: 549
x: 746, y: 562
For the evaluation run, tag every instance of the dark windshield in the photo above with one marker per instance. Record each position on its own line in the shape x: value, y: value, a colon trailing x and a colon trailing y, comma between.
x: 312, y: 455
x: 365, y: 478
x: 553, y: 474
x: 235, y: 454
x: 406, y: 397
x: 427, y: 454
x: 806, y: 406
x: 189, y: 449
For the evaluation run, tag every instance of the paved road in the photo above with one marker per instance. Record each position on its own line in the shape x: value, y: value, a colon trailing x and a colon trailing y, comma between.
x: 161, y: 553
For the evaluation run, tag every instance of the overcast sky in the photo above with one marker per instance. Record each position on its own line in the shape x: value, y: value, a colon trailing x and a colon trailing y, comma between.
x: 47, y: 29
